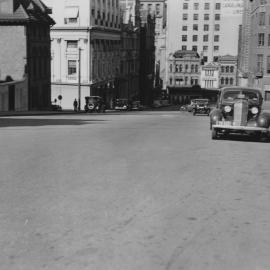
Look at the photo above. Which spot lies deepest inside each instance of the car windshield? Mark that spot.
(201, 101)
(233, 94)
(93, 99)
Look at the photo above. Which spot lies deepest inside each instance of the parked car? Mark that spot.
(136, 105)
(94, 104)
(239, 110)
(55, 107)
(201, 106)
(122, 104)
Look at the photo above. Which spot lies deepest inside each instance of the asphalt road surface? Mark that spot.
(131, 191)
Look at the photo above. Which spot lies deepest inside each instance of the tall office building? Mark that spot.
(209, 27)
(89, 30)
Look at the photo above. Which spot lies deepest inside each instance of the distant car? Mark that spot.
(183, 108)
(201, 107)
(136, 106)
(94, 104)
(122, 104)
(55, 107)
(239, 110)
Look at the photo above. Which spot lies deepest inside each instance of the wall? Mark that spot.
(12, 49)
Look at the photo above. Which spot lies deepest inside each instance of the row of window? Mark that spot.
(206, 17)
(179, 68)
(227, 69)
(156, 8)
(195, 49)
(226, 81)
(108, 3)
(205, 38)
(261, 39)
(206, 27)
(206, 6)
(184, 81)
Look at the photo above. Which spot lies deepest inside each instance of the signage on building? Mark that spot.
(232, 7)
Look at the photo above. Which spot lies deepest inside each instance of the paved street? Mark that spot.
(129, 191)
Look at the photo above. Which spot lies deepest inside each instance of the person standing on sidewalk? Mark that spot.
(75, 105)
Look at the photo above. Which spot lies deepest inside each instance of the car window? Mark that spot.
(231, 95)
(250, 95)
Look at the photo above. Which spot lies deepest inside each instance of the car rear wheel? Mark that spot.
(194, 112)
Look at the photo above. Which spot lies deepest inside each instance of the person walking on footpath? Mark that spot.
(75, 105)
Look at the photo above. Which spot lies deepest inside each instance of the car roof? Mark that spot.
(237, 88)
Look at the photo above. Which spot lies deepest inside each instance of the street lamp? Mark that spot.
(79, 80)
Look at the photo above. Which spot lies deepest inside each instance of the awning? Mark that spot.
(71, 12)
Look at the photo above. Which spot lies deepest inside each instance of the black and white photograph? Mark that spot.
(134, 134)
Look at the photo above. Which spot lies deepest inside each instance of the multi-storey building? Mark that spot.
(208, 27)
(184, 73)
(158, 9)
(228, 70)
(24, 55)
(86, 42)
(259, 42)
(210, 76)
(128, 79)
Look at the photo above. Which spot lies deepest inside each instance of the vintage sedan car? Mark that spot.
(94, 104)
(201, 107)
(239, 110)
(122, 104)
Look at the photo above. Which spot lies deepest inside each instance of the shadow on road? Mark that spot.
(22, 122)
(244, 138)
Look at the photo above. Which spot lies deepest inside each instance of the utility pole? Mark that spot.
(79, 80)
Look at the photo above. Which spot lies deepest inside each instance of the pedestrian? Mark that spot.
(75, 105)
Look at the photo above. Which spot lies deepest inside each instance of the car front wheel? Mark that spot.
(214, 134)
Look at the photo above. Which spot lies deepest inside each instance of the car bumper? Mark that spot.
(227, 126)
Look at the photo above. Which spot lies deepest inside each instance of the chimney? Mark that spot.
(7, 6)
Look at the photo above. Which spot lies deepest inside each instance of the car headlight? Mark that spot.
(227, 109)
(254, 110)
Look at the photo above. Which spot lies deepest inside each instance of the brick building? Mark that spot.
(24, 55)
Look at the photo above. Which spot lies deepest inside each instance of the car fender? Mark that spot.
(263, 120)
(215, 115)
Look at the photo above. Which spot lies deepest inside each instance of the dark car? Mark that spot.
(239, 110)
(122, 104)
(94, 104)
(136, 106)
(55, 107)
(201, 107)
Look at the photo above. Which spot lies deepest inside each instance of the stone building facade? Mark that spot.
(228, 70)
(89, 31)
(210, 74)
(25, 55)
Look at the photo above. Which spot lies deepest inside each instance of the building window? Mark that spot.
(186, 67)
(216, 48)
(261, 18)
(176, 68)
(205, 38)
(206, 17)
(206, 27)
(180, 68)
(185, 6)
(222, 69)
(194, 48)
(71, 15)
(170, 67)
(205, 48)
(217, 17)
(261, 39)
(259, 62)
(194, 38)
(231, 81)
(158, 9)
(185, 16)
(216, 38)
(222, 81)
(196, 68)
(195, 17)
(268, 64)
(196, 6)
(195, 27)
(206, 6)
(72, 44)
(184, 37)
(72, 68)
(184, 48)
(184, 28)
(217, 27)
(218, 6)
(232, 69)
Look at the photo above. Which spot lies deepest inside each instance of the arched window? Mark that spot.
(222, 81)
(227, 81)
(192, 68)
(196, 68)
(180, 68)
(231, 81)
(227, 69)
(222, 69)
(186, 67)
(176, 68)
(231, 69)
